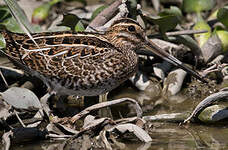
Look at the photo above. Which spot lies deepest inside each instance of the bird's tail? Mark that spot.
(6, 35)
(10, 50)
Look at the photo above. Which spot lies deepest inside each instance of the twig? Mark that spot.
(173, 117)
(21, 122)
(59, 136)
(186, 32)
(176, 33)
(44, 103)
(3, 78)
(106, 104)
(105, 15)
(206, 102)
(6, 140)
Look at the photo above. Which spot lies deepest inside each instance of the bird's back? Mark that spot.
(70, 63)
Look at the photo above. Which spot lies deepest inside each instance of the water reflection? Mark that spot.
(166, 136)
(170, 136)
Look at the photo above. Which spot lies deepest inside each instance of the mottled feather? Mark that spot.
(72, 63)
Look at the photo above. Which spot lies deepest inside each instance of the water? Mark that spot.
(170, 136)
(166, 136)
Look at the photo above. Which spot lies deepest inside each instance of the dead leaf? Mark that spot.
(21, 98)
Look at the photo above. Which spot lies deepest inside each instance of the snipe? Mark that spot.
(84, 64)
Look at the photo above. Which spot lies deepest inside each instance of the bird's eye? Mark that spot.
(131, 28)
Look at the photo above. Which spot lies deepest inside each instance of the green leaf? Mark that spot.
(173, 10)
(4, 13)
(41, 13)
(2, 42)
(167, 20)
(20, 16)
(81, 1)
(79, 27)
(202, 37)
(132, 7)
(58, 28)
(165, 23)
(12, 25)
(69, 20)
(37, 28)
(97, 11)
(222, 15)
(223, 36)
(213, 15)
(132, 3)
(53, 2)
(197, 5)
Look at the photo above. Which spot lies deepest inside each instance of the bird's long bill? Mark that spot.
(166, 56)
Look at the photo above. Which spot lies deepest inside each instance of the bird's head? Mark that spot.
(126, 33)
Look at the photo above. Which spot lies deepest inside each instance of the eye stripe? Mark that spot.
(126, 21)
(126, 25)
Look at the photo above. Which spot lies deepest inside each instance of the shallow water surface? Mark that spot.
(166, 136)
(169, 136)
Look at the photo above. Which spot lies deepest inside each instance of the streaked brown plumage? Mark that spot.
(83, 64)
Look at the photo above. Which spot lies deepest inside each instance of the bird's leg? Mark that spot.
(103, 98)
(104, 112)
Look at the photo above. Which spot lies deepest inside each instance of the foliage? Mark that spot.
(202, 25)
(197, 5)
(97, 11)
(222, 15)
(170, 18)
(41, 13)
(73, 22)
(79, 27)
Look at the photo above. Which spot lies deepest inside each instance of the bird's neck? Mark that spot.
(126, 47)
